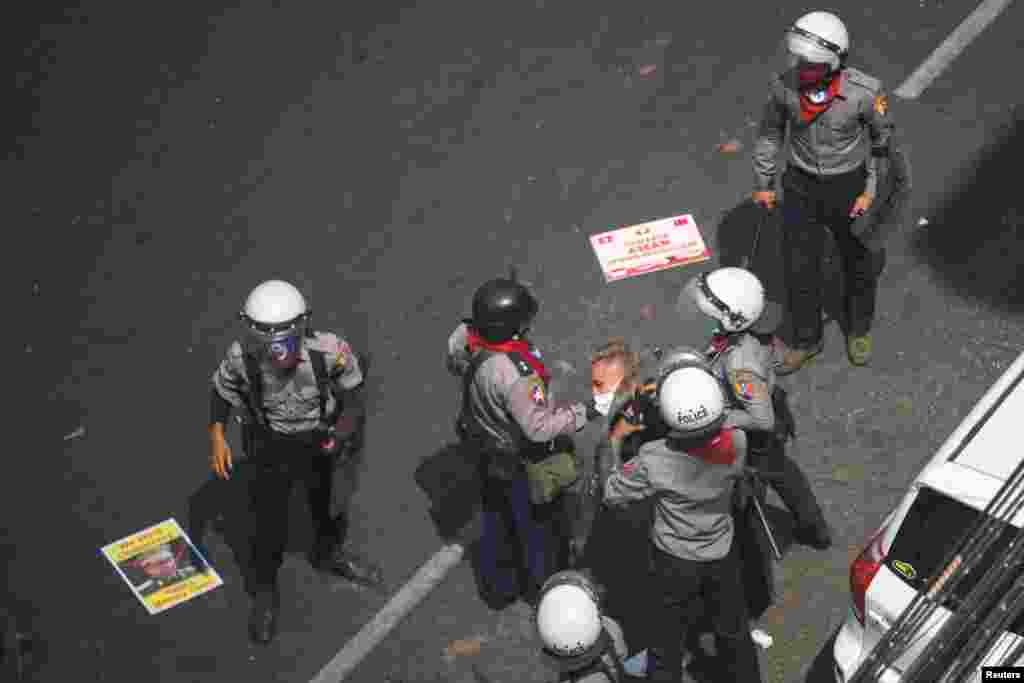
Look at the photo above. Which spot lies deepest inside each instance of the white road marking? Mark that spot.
(937, 62)
(403, 602)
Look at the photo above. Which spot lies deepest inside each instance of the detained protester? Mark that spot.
(302, 394)
(839, 129)
(690, 475)
(523, 441)
(743, 358)
(580, 643)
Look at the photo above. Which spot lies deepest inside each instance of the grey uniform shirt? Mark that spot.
(747, 368)
(291, 399)
(692, 494)
(838, 140)
(506, 396)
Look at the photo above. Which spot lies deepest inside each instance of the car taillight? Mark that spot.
(863, 570)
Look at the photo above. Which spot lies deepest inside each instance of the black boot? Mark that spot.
(263, 618)
(332, 557)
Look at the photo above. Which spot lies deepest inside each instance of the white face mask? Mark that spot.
(603, 402)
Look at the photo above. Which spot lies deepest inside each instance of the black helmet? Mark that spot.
(501, 309)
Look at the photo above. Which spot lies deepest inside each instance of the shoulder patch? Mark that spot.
(524, 368)
(742, 376)
(537, 394)
(881, 105)
(748, 386)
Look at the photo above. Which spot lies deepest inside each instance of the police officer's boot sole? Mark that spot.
(263, 618)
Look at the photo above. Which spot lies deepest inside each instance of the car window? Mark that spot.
(934, 526)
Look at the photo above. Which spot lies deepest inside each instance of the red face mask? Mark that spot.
(284, 354)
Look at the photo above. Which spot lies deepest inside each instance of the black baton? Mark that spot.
(745, 264)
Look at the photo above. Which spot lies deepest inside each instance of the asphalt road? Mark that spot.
(387, 161)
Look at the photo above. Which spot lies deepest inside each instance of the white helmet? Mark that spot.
(692, 402)
(569, 621)
(819, 38)
(274, 309)
(732, 296)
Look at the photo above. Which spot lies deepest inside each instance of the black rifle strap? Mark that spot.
(324, 385)
(254, 396)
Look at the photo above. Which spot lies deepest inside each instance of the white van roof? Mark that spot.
(996, 448)
(985, 449)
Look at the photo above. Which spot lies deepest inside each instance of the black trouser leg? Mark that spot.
(679, 582)
(319, 481)
(270, 486)
(803, 250)
(726, 597)
(861, 270)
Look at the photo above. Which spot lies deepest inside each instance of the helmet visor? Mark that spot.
(805, 64)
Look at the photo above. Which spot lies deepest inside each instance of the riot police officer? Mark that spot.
(839, 140)
(302, 392)
(743, 358)
(691, 475)
(581, 644)
(509, 420)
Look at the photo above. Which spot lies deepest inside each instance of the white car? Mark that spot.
(943, 502)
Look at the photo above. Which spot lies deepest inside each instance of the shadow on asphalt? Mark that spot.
(975, 239)
(221, 507)
(451, 481)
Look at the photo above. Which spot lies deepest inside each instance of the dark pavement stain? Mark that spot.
(976, 237)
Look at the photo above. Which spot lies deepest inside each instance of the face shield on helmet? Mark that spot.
(275, 316)
(815, 47)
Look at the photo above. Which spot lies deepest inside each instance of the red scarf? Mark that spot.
(475, 342)
(718, 451)
(809, 110)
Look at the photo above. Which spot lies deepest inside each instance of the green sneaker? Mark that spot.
(859, 349)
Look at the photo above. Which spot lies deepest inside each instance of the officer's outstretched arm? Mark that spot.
(629, 483)
(540, 421)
